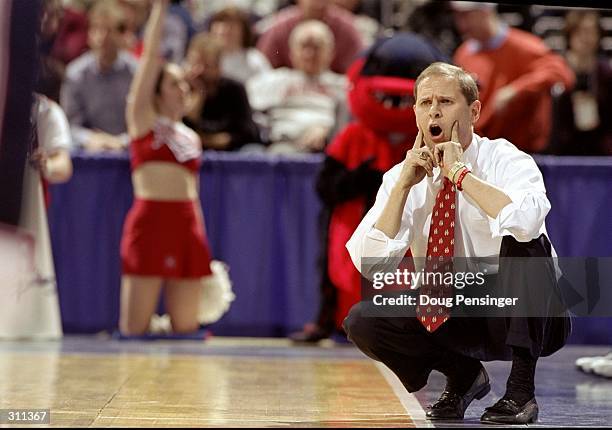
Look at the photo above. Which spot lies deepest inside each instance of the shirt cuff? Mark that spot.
(508, 223)
(378, 244)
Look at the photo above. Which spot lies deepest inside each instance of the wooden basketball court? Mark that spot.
(222, 382)
(94, 381)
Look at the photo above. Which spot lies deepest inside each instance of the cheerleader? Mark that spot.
(164, 244)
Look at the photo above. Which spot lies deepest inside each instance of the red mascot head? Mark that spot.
(381, 91)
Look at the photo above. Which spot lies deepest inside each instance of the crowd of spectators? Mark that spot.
(269, 74)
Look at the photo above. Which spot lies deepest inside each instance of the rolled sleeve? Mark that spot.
(523, 218)
(522, 182)
(377, 244)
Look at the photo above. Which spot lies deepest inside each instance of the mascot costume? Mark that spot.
(382, 130)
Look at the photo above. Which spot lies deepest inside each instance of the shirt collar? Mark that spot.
(116, 66)
(491, 44)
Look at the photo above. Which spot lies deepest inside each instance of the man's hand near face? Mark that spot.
(419, 161)
(447, 153)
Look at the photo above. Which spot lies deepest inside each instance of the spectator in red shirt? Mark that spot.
(515, 72)
(71, 37)
(274, 42)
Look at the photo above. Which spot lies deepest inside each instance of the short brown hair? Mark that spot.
(108, 9)
(466, 82)
(235, 14)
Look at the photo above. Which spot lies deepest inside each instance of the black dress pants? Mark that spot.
(411, 352)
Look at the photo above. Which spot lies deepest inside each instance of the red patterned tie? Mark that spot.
(440, 251)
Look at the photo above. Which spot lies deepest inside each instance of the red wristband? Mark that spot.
(460, 179)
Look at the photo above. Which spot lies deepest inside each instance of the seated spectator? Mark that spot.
(220, 112)
(274, 42)
(515, 72)
(301, 104)
(583, 123)
(240, 61)
(97, 83)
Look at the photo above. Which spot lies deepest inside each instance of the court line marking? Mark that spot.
(410, 403)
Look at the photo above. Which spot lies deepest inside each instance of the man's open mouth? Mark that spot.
(435, 131)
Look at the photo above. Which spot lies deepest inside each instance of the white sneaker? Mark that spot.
(586, 363)
(603, 367)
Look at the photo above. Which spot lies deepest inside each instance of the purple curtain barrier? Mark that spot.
(262, 219)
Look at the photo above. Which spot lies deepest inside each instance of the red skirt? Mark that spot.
(165, 239)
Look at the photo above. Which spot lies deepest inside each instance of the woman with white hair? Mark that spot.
(300, 104)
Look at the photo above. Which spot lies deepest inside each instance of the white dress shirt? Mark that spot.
(294, 101)
(497, 162)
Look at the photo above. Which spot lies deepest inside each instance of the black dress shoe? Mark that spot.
(507, 411)
(452, 405)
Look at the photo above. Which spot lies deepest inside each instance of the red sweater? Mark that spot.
(526, 63)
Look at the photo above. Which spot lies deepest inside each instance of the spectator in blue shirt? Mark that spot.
(96, 85)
